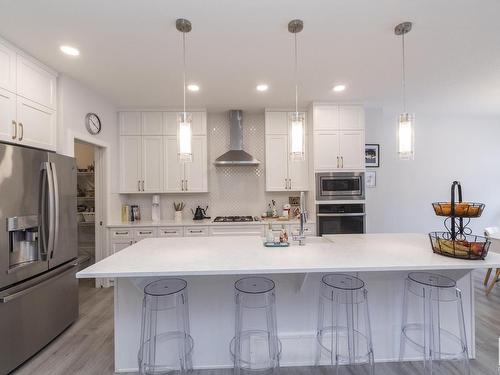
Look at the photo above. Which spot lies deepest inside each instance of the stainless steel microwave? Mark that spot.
(340, 186)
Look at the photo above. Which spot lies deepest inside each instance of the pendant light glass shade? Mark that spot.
(406, 136)
(297, 139)
(184, 135)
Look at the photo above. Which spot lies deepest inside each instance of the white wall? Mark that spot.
(74, 102)
(447, 148)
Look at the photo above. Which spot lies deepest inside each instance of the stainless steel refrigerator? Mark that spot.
(38, 251)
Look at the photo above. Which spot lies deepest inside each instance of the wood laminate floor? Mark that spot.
(86, 348)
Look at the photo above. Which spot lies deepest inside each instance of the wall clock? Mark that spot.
(93, 123)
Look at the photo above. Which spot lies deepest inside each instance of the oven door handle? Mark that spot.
(337, 215)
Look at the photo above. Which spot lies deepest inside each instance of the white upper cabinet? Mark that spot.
(130, 123)
(283, 172)
(36, 125)
(130, 164)
(7, 68)
(152, 123)
(8, 123)
(351, 117)
(326, 117)
(152, 163)
(339, 137)
(195, 172)
(35, 83)
(27, 100)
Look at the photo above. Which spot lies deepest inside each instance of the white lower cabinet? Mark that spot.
(237, 230)
(142, 233)
(195, 231)
(171, 232)
(120, 238)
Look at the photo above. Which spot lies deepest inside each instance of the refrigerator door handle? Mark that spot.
(50, 180)
(8, 296)
(44, 245)
(56, 209)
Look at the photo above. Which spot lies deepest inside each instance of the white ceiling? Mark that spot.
(131, 51)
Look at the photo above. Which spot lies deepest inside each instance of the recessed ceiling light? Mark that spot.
(339, 88)
(262, 87)
(70, 51)
(193, 87)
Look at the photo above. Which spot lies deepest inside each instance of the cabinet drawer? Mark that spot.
(121, 233)
(141, 233)
(170, 232)
(309, 229)
(238, 230)
(195, 231)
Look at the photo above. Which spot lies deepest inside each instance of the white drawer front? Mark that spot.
(121, 233)
(237, 230)
(171, 232)
(195, 231)
(142, 233)
(309, 229)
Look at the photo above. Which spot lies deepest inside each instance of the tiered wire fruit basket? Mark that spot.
(458, 241)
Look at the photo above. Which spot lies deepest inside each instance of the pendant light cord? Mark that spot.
(296, 82)
(184, 72)
(403, 72)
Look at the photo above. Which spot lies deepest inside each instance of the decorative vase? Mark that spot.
(178, 216)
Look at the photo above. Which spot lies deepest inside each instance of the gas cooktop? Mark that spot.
(234, 219)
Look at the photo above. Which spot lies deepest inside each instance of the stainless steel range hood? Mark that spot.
(236, 156)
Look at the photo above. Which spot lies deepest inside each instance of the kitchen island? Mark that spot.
(212, 264)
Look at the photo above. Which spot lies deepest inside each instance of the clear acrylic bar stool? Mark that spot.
(432, 312)
(344, 330)
(166, 344)
(255, 347)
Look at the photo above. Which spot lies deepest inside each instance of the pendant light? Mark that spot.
(406, 131)
(184, 119)
(297, 119)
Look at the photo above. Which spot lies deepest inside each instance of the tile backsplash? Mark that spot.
(232, 190)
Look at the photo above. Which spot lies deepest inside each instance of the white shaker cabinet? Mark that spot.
(8, 123)
(152, 163)
(338, 137)
(130, 123)
(130, 164)
(152, 123)
(7, 68)
(198, 123)
(35, 83)
(36, 124)
(283, 172)
(173, 168)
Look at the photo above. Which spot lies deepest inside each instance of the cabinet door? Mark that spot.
(118, 245)
(326, 151)
(130, 164)
(130, 123)
(8, 125)
(7, 68)
(276, 162)
(298, 172)
(174, 169)
(170, 123)
(352, 117)
(352, 149)
(196, 170)
(152, 163)
(152, 123)
(277, 123)
(36, 125)
(199, 123)
(171, 232)
(326, 117)
(142, 233)
(35, 83)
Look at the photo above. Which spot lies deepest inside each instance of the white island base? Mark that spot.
(212, 265)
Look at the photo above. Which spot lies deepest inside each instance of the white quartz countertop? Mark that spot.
(190, 222)
(247, 255)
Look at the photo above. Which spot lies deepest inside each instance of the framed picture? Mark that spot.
(371, 179)
(372, 155)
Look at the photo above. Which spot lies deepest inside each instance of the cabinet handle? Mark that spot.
(131, 242)
(121, 233)
(286, 184)
(146, 232)
(142, 185)
(342, 159)
(195, 231)
(185, 185)
(21, 131)
(182, 185)
(14, 125)
(290, 184)
(169, 231)
(138, 185)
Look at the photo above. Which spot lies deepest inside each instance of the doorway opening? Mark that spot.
(86, 202)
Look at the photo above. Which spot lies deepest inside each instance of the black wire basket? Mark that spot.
(469, 246)
(459, 209)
